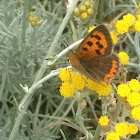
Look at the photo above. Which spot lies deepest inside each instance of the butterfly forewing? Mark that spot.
(78, 66)
(97, 43)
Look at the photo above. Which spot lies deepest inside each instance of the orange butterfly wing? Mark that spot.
(97, 43)
(93, 57)
(77, 65)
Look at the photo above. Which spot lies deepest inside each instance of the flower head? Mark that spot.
(104, 89)
(133, 128)
(114, 37)
(121, 27)
(64, 75)
(34, 20)
(91, 84)
(103, 121)
(137, 26)
(136, 113)
(84, 11)
(91, 28)
(129, 19)
(122, 129)
(78, 80)
(67, 90)
(133, 99)
(31, 14)
(112, 136)
(134, 85)
(123, 90)
(124, 58)
(39, 22)
(138, 16)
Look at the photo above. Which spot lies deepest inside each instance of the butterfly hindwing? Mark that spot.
(103, 67)
(97, 43)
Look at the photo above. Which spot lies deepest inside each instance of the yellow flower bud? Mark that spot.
(90, 11)
(87, 3)
(30, 19)
(31, 14)
(33, 23)
(84, 17)
(82, 8)
(76, 12)
(39, 22)
(36, 19)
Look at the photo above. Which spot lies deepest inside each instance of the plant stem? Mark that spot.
(61, 29)
(74, 36)
(64, 52)
(97, 132)
(25, 103)
(95, 8)
(54, 44)
(23, 48)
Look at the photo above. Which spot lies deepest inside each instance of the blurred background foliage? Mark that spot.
(23, 48)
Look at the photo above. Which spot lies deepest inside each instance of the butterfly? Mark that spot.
(94, 57)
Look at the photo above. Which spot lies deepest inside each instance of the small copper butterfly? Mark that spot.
(94, 57)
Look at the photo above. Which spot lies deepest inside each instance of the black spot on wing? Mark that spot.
(85, 49)
(98, 52)
(89, 43)
(100, 46)
(96, 36)
(97, 43)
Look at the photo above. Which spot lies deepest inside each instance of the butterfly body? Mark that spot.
(94, 57)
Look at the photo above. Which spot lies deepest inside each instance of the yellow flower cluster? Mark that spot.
(129, 23)
(136, 113)
(104, 89)
(133, 128)
(112, 136)
(104, 121)
(130, 92)
(133, 99)
(134, 85)
(34, 19)
(123, 90)
(122, 26)
(124, 58)
(67, 90)
(123, 129)
(73, 81)
(84, 11)
(114, 37)
(91, 28)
